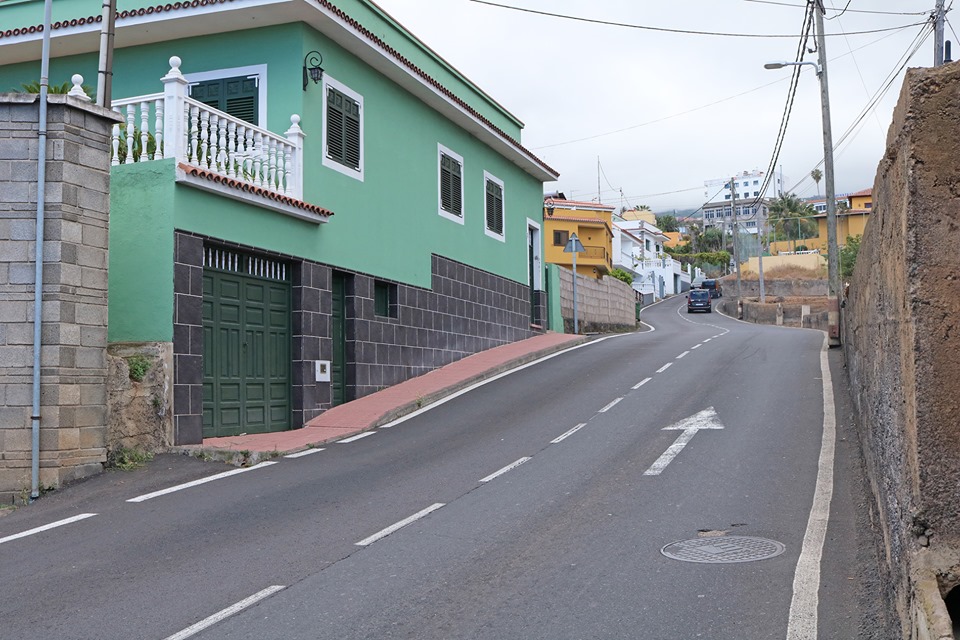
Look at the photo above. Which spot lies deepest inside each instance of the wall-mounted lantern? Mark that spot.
(312, 69)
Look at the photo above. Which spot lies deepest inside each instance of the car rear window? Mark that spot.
(699, 295)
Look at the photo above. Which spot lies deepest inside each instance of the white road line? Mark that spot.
(696, 346)
(657, 467)
(802, 622)
(568, 433)
(193, 630)
(356, 437)
(718, 335)
(610, 406)
(706, 341)
(682, 354)
(187, 485)
(399, 525)
(664, 367)
(47, 527)
(305, 452)
(641, 383)
(509, 467)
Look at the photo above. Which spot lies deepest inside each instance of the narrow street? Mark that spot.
(541, 505)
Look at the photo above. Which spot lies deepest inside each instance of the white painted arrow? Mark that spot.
(706, 419)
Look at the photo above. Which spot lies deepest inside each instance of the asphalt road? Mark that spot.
(535, 506)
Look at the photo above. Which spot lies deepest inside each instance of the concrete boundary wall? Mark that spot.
(602, 305)
(902, 339)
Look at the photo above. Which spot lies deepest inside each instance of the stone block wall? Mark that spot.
(73, 412)
(902, 340)
(465, 311)
(607, 304)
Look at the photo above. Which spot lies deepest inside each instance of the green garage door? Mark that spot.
(246, 344)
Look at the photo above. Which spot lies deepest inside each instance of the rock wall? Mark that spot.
(73, 368)
(140, 400)
(902, 340)
(602, 305)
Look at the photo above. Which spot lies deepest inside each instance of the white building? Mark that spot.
(638, 249)
(747, 184)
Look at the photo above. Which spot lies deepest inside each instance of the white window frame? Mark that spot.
(257, 71)
(502, 237)
(330, 163)
(444, 151)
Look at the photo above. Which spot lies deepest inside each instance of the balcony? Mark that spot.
(212, 149)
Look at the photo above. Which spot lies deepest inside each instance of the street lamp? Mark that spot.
(833, 262)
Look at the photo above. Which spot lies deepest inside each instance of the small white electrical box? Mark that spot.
(323, 370)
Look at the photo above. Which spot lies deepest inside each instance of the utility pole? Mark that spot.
(833, 262)
(938, 19)
(760, 234)
(736, 235)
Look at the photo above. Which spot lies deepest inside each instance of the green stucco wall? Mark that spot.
(141, 252)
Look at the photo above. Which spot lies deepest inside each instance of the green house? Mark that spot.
(307, 203)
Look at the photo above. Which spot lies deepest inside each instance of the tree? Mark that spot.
(667, 223)
(711, 240)
(620, 274)
(641, 207)
(792, 219)
(817, 176)
(848, 256)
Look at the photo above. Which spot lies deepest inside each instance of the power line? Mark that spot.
(886, 13)
(667, 29)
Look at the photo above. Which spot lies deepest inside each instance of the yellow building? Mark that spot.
(674, 239)
(591, 222)
(851, 222)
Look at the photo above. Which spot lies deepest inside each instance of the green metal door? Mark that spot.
(338, 371)
(246, 345)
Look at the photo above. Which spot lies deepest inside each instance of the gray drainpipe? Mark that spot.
(38, 265)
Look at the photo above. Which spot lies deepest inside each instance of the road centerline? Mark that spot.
(664, 367)
(641, 383)
(223, 614)
(383, 533)
(509, 467)
(47, 527)
(682, 354)
(610, 406)
(569, 433)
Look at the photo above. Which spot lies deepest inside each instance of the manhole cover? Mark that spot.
(723, 549)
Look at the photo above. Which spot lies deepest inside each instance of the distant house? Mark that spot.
(308, 204)
(853, 213)
(593, 225)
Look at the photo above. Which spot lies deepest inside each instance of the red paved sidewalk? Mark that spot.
(394, 402)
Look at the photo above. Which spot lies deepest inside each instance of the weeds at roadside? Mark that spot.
(128, 458)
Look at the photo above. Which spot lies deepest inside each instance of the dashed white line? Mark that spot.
(682, 354)
(641, 383)
(356, 437)
(193, 630)
(610, 406)
(718, 335)
(399, 525)
(696, 346)
(664, 367)
(187, 485)
(509, 467)
(300, 454)
(568, 433)
(706, 341)
(47, 527)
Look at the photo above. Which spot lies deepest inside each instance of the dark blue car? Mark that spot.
(699, 300)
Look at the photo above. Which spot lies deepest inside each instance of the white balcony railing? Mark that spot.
(173, 125)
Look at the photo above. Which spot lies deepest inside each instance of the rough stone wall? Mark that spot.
(602, 305)
(73, 427)
(140, 415)
(787, 288)
(902, 342)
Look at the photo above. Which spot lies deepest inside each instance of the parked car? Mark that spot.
(699, 300)
(713, 286)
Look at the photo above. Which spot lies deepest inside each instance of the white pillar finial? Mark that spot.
(77, 90)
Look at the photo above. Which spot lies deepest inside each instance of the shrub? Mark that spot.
(139, 366)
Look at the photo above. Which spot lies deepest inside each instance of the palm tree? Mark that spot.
(791, 218)
(817, 176)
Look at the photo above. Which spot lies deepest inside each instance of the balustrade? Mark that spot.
(173, 125)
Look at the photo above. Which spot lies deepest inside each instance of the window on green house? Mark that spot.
(494, 205)
(237, 96)
(343, 128)
(451, 184)
(385, 299)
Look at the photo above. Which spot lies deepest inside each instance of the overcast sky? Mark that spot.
(665, 112)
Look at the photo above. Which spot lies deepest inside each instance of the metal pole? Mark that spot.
(105, 73)
(38, 251)
(736, 236)
(760, 235)
(576, 324)
(938, 34)
(833, 262)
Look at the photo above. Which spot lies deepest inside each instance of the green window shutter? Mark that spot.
(494, 207)
(237, 96)
(343, 129)
(451, 191)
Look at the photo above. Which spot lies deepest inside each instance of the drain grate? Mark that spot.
(723, 549)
